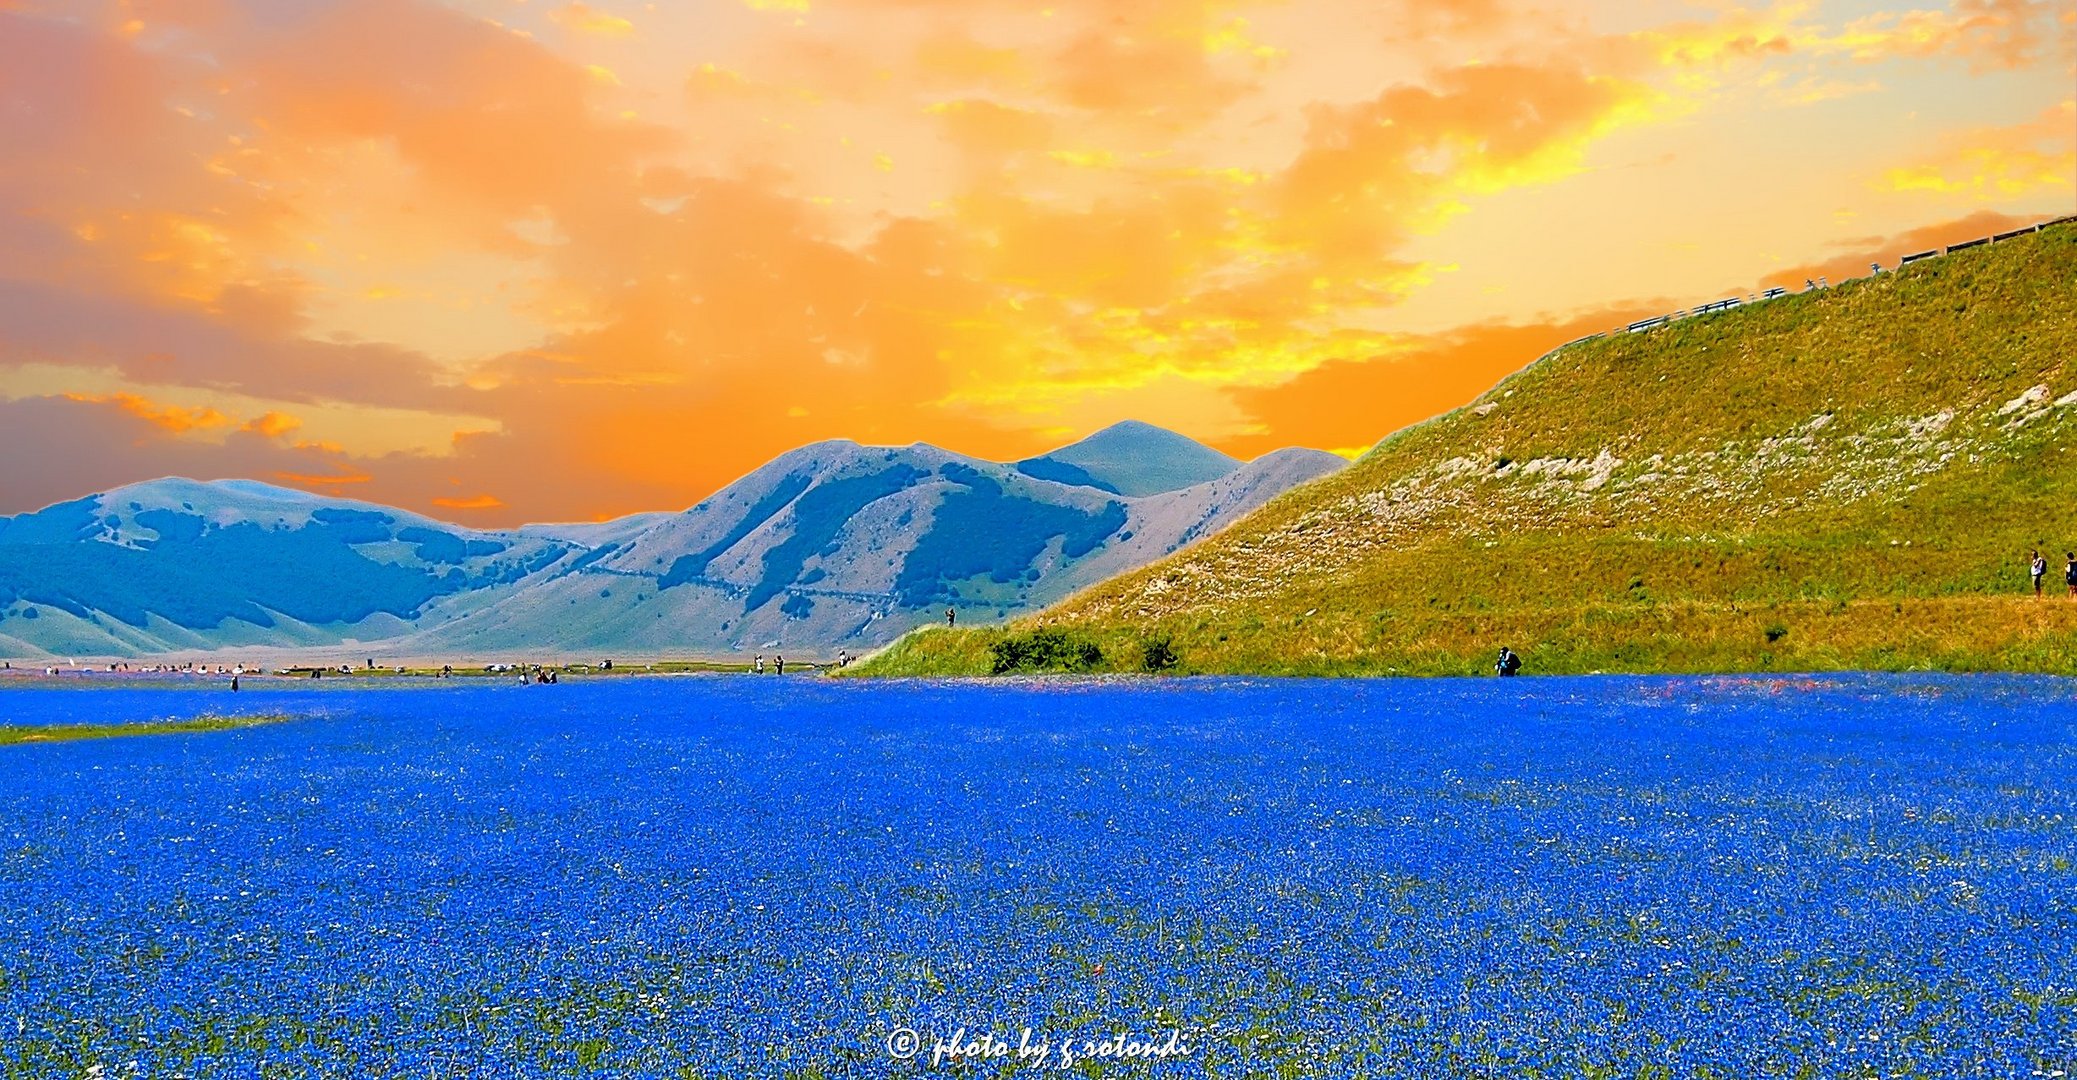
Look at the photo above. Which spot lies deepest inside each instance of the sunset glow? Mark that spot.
(503, 261)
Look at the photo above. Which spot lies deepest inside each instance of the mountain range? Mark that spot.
(833, 545)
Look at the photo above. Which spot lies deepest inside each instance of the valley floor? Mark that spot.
(1835, 876)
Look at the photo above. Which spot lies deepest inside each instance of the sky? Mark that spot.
(501, 261)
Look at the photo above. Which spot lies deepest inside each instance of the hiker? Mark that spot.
(1507, 664)
(757, 665)
(2070, 572)
(844, 657)
(951, 617)
(234, 684)
(2038, 566)
(779, 665)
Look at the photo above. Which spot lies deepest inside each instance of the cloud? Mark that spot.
(272, 425)
(586, 19)
(1999, 162)
(473, 502)
(1357, 401)
(404, 250)
(174, 418)
(1373, 172)
(85, 445)
(1988, 34)
(1865, 251)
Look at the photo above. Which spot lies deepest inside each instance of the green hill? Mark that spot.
(1843, 478)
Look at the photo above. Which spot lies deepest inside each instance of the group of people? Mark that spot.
(2037, 567)
(779, 662)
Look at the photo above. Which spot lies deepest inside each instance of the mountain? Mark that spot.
(1841, 478)
(181, 564)
(842, 545)
(830, 546)
(1132, 458)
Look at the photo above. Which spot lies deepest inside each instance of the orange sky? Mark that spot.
(513, 260)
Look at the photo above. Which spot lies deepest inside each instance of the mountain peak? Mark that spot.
(1132, 458)
(177, 489)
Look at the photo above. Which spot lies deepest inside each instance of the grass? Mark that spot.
(1841, 479)
(16, 734)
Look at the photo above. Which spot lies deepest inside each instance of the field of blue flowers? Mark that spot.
(735, 877)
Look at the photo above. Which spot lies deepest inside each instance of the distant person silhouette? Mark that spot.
(1508, 664)
(778, 665)
(2070, 572)
(234, 684)
(2038, 566)
(951, 617)
(757, 665)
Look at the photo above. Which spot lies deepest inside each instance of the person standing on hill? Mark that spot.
(2070, 572)
(951, 617)
(2039, 567)
(1508, 663)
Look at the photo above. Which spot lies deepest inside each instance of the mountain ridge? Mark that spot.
(832, 544)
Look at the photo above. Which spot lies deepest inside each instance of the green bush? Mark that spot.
(1049, 649)
(1157, 654)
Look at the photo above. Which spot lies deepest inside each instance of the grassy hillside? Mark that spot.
(1847, 478)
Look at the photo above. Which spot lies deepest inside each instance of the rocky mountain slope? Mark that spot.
(1848, 477)
(831, 546)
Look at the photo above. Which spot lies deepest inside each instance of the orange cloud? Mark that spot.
(272, 425)
(2000, 34)
(473, 502)
(1356, 402)
(1999, 162)
(1258, 222)
(1374, 172)
(174, 418)
(1867, 250)
(590, 20)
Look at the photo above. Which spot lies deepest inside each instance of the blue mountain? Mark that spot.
(829, 546)
(1132, 458)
